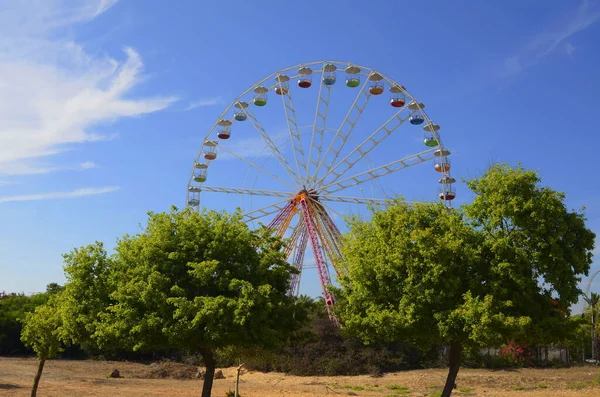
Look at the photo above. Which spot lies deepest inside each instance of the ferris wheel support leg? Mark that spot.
(293, 240)
(335, 236)
(327, 239)
(320, 260)
(287, 210)
(298, 261)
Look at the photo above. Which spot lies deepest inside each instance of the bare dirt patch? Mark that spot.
(165, 370)
(89, 378)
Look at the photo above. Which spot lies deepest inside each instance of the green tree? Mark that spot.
(537, 249)
(41, 333)
(53, 288)
(85, 295)
(13, 307)
(592, 312)
(504, 267)
(195, 283)
(579, 341)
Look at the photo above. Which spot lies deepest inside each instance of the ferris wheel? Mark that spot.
(292, 162)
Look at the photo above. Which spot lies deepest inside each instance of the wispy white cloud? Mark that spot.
(52, 91)
(104, 5)
(86, 165)
(570, 49)
(552, 37)
(17, 168)
(60, 195)
(8, 183)
(36, 18)
(205, 102)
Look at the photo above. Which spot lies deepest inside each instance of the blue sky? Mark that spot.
(104, 106)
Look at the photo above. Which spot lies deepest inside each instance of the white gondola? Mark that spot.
(210, 149)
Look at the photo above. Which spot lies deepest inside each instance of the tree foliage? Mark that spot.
(85, 295)
(534, 244)
(13, 307)
(411, 272)
(504, 267)
(41, 333)
(189, 282)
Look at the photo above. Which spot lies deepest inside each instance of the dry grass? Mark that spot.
(88, 378)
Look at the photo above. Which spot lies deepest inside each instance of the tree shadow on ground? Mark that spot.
(508, 369)
(6, 386)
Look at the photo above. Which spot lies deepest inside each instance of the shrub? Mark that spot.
(515, 355)
(324, 351)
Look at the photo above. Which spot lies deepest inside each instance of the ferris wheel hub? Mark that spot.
(304, 194)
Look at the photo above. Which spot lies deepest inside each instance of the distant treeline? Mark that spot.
(13, 307)
(317, 349)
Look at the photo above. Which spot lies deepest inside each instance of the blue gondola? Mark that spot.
(240, 116)
(329, 80)
(416, 119)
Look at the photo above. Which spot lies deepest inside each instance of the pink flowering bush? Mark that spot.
(516, 355)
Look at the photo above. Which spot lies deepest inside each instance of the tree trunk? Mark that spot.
(594, 354)
(209, 361)
(455, 348)
(36, 381)
(237, 381)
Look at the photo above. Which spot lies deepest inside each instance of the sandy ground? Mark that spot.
(89, 378)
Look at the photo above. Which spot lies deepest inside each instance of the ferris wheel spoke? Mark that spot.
(354, 200)
(332, 210)
(341, 136)
(272, 146)
(370, 143)
(252, 192)
(250, 163)
(265, 211)
(319, 126)
(290, 115)
(380, 171)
